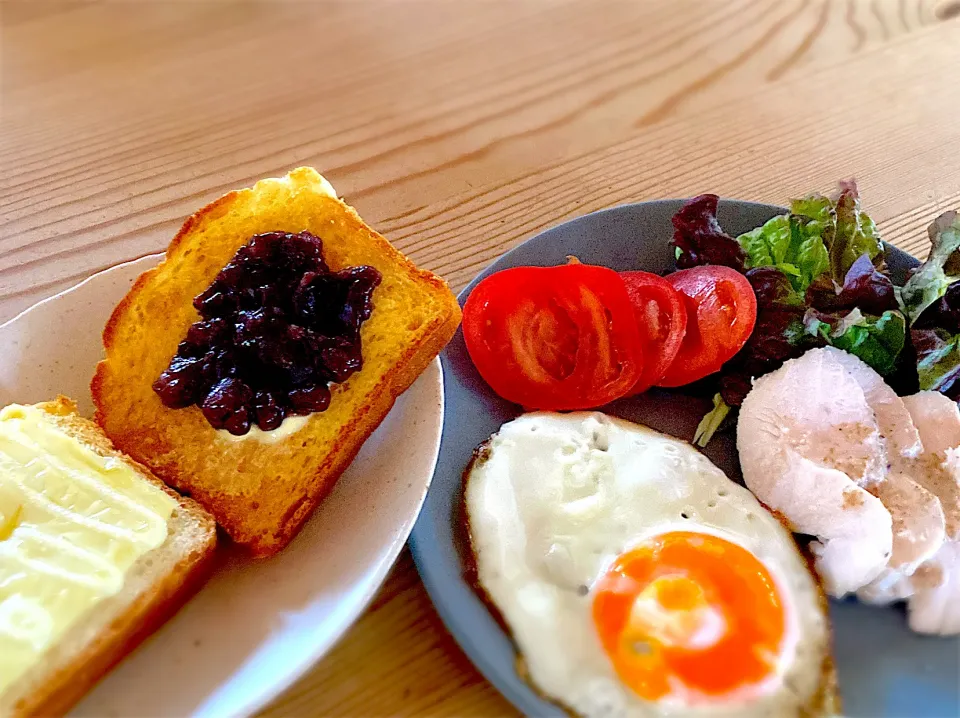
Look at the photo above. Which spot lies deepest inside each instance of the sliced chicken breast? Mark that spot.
(918, 533)
(918, 520)
(853, 528)
(808, 444)
(934, 588)
(893, 419)
(813, 405)
(937, 418)
(935, 606)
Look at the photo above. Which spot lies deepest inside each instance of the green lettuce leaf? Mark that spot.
(812, 258)
(878, 341)
(819, 237)
(820, 211)
(790, 243)
(711, 421)
(855, 235)
(938, 359)
(941, 268)
(767, 245)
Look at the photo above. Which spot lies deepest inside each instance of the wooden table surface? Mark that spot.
(458, 128)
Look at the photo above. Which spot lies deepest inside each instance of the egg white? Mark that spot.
(553, 499)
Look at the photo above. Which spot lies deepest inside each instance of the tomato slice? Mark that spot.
(554, 337)
(661, 321)
(721, 312)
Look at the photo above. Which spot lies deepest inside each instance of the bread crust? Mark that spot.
(46, 691)
(261, 493)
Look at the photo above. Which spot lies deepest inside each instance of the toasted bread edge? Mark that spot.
(110, 328)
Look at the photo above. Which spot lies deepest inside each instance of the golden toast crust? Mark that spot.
(262, 492)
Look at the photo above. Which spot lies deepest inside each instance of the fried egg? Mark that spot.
(637, 580)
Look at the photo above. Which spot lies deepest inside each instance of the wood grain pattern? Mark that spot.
(458, 129)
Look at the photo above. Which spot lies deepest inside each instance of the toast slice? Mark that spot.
(154, 587)
(262, 491)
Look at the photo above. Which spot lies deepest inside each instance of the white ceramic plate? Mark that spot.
(256, 626)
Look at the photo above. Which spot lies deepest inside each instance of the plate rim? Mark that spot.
(503, 675)
(378, 578)
(383, 568)
(378, 571)
(73, 287)
(420, 546)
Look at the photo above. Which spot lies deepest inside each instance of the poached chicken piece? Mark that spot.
(918, 520)
(934, 606)
(809, 445)
(874, 477)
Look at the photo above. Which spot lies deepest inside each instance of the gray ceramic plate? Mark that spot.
(884, 669)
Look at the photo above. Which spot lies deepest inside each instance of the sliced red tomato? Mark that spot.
(554, 337)
(721, 312)
(661, 321)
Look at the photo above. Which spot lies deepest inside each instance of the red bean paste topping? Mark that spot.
(277, 327)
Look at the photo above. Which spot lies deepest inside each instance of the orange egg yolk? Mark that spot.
(693, 609)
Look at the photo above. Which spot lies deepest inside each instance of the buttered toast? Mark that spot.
(261, 485)
(96, 553)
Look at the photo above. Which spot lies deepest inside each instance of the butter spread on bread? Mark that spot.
(93, 552)
(261, 491)
(291, 425)
(71, 523)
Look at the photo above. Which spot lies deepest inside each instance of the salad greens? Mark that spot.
(855, 234)
(942, 268)
(699, 239)
(819, 238)
(820, 279)
(864, 286)
(711, 422)
(938, 359)
(790, 243)
(878, 341)
(931, 299)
